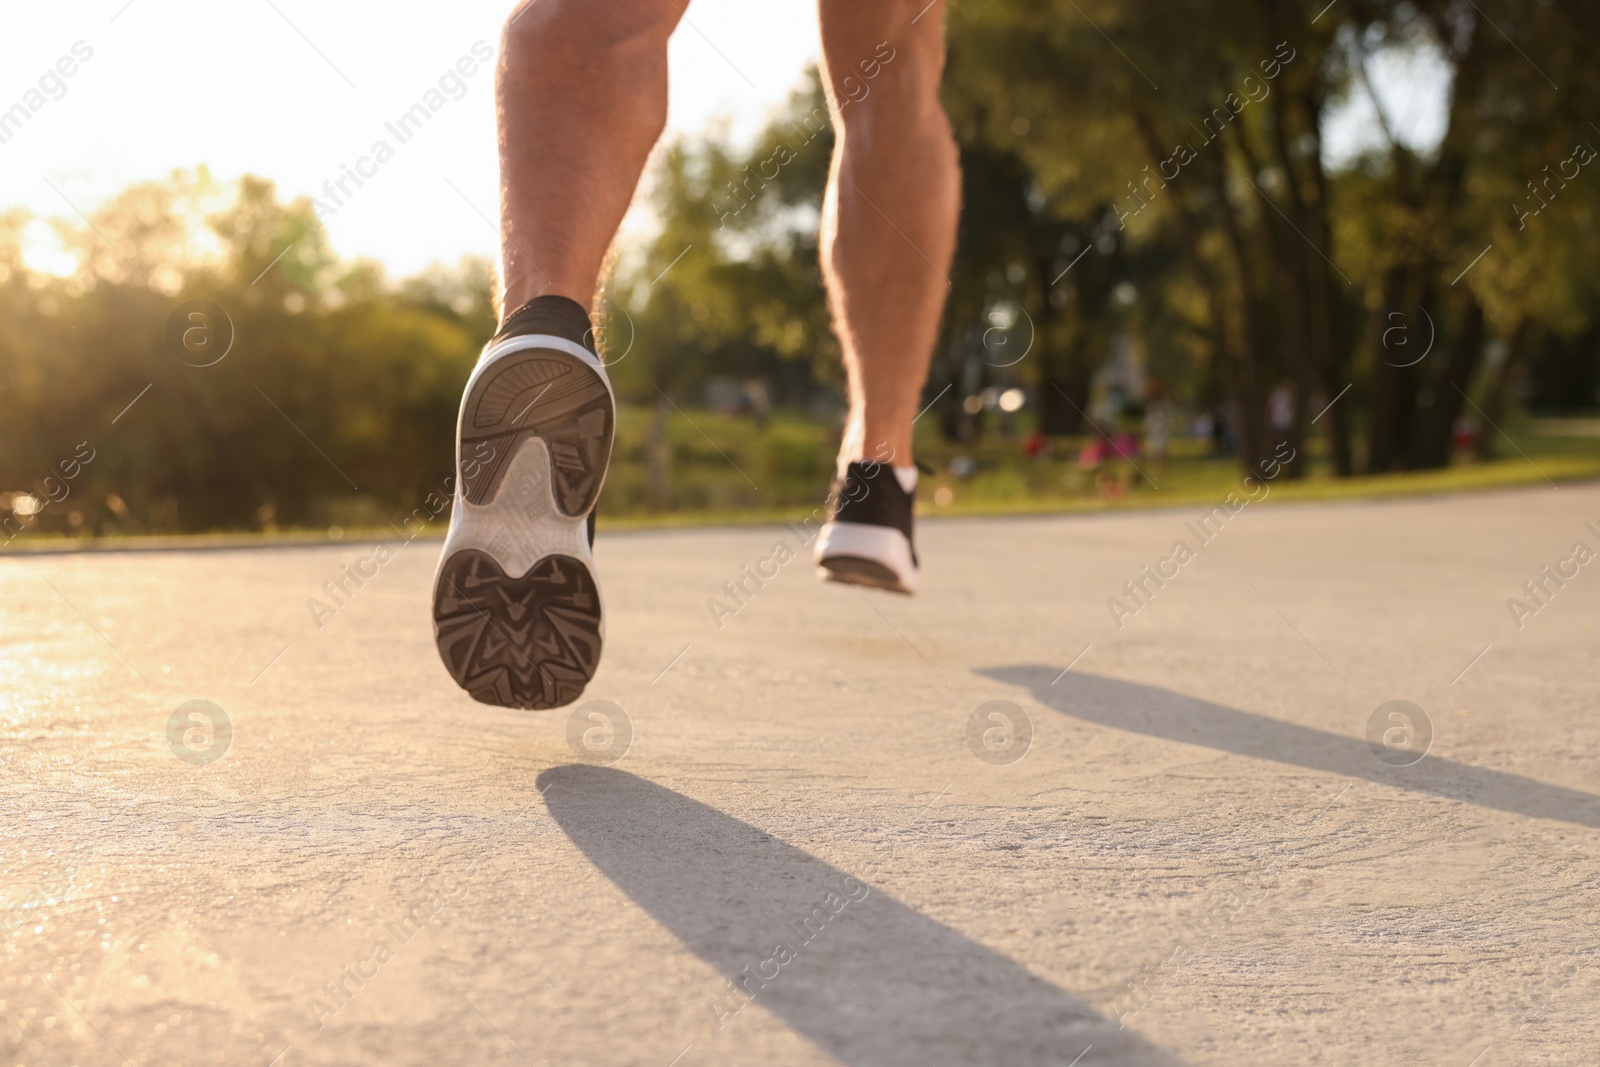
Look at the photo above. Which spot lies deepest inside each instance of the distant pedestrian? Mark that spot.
(1157, 426)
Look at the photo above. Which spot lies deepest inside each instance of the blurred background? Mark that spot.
(1197, 239)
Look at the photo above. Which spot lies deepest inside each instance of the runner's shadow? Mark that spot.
(1155, 712)
(867, 979)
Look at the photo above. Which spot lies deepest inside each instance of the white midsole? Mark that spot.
(881, 544)
(534, 340)
(520, 524)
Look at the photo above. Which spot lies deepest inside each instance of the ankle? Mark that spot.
(551, 315)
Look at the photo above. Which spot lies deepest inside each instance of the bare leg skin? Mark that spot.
(889, 217)
(582, 98)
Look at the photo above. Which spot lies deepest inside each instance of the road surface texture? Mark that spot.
(1211, 841)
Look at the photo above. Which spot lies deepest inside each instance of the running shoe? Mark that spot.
(516, 607)
(867, 538)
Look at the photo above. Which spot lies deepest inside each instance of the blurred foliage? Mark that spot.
(1138, 177)
(336, 402)
(1148, 175)
(731, 285)
(757, 473)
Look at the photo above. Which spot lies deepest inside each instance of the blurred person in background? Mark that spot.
(1157, 425)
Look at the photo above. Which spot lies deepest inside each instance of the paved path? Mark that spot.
(1198, 858)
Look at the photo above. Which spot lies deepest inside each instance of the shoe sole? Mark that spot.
(854, 570)
(517, 613)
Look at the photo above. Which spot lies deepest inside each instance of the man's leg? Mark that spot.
(582, 90)
(582, 93)
(889, 218)
(888, 232)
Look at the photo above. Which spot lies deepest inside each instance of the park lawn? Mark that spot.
(725, 470)
(719, 469)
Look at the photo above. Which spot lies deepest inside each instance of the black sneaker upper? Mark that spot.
(869, 493)
(556, 316)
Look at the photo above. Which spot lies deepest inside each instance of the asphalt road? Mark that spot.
(839, 827)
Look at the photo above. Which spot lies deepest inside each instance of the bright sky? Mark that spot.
(294, 89)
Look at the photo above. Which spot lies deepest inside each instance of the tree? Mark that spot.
(1202, 126)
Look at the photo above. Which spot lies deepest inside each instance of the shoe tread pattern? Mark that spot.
(531, 642)
(546, 394)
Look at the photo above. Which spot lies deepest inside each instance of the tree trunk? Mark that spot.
(1286, 250)
(1385, 409)
(1329, 364)
(1432, 199)
(1497, 397)
(1289, 228)
(1252, 353)
(1064, 369)
(1064, 391)
(1431, 446)
(1227, 361)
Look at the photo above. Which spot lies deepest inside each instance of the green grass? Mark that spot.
(715, 469)
(783, 474)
